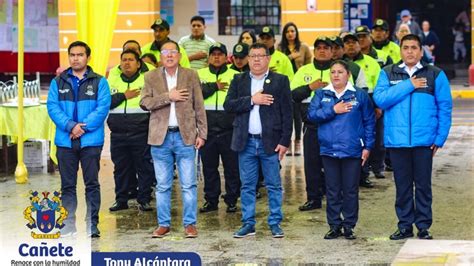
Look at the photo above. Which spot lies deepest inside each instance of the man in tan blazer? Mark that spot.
(178, 127)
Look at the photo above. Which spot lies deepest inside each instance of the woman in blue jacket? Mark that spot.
(346, 120)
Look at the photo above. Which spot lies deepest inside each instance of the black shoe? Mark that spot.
(424, 234)
(365, 182)
(144, 207)
(208, 207)
(310, 205)
(401, 234)
(388, 168)
(118, 206)
(258, 195)
(231, 208)
(333, 233)
(379, 175)
(94, 231)
(349, 233)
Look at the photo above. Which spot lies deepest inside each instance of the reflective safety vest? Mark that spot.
(371, 70)
(308, 74)
(393, 50)
(215, 102)
(184, 61)
(115, 71)
(282, 64)
(130, 106)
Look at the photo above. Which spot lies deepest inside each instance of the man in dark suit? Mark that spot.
(261, 101)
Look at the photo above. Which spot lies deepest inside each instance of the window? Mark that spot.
(238, 15)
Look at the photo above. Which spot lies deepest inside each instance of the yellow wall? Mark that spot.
(326, 21)
(133, 22)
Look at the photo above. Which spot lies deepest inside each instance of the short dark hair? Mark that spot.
(411, 37)
(82, 44)
(198, 18)
(342, 63)
(259, 46)
(131, 41)
(171, 41)
(130, 51)
(151, 56)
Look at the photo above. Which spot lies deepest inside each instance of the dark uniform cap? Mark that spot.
(267, 31)
(363, 29)
(383, 24)
(322, 39)
(241, 50)
(337, 41)
(350, 35)
(218, 46)
(161, 23)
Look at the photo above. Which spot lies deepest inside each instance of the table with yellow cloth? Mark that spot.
(37, 125)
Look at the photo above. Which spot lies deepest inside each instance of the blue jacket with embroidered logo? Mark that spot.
(414, 117)
(343, 135)
(88, 104)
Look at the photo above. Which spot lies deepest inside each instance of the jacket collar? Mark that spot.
(89, 73)
(218, 70)
(322, 65)
(130, 79)
(329, 90)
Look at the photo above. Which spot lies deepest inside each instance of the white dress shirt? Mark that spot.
(412, 70)
(171, 80)
(255, 125)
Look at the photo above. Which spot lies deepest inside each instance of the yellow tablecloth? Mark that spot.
(38, 125)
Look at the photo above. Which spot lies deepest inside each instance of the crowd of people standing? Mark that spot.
(349, 102)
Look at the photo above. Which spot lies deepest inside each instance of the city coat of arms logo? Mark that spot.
(46, 211)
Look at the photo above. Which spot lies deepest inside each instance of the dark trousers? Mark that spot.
(298, 123)
(342, 190)
(68, 163)
(412, 167)
(377, 154)
(131, 157)
(312, 164)
(216, 147)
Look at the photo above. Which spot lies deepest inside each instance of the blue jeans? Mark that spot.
(249, 160)
(163, 160)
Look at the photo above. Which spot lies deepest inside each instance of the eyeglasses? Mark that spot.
(257, 56)
(169, 52)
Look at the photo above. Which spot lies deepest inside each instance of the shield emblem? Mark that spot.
(45, 220)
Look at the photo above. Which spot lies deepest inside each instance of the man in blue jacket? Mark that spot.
(78, 103)
(416, 98)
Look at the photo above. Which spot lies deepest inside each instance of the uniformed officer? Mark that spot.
(377, 156)
(357, 74)
(279, 62)
(372, 70)
(365, 40)
(240, 57)
(215, 81)
(161, 30)
(381, 37)
(306, 81)
(128, 124)
(114, 75)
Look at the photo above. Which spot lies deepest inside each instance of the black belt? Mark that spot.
(173, 129)
(255, 136)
